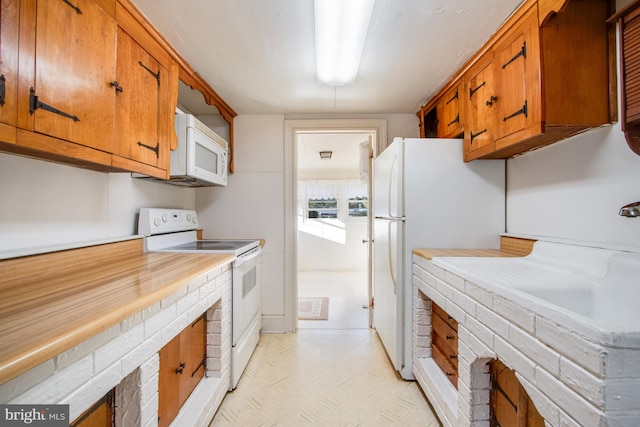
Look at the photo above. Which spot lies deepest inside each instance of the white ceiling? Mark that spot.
(258, 55)
(344, 146)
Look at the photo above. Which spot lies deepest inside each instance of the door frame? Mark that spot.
(292, 128)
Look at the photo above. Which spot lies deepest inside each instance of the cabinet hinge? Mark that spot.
(523, 110)
(201, 364)
(475, 89)
(156, 75)
(73, 6)
(496, 387)
(2, 89)
(35, 103)
(522, 52)
(456, 120)
(475, 135)
(155, 149)
(454, 97)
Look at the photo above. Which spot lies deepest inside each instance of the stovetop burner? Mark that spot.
(213, 245)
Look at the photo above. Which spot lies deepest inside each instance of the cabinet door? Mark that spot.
(517, 73)
(181, 369)
(75, 63)
(510, 405)
(193, 347)
(450, 114)
(138, 79)
(169, 382)
(481, 100)
(430, 123)
(99, 415)
(9, 12)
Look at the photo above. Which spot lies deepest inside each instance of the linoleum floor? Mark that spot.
(326, 374)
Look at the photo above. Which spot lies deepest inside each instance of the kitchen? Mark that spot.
(571, 190)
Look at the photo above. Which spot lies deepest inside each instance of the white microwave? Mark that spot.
(201, 157)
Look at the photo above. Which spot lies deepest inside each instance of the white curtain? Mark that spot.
(331, 189)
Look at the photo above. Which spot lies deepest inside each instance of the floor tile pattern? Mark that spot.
(323, 377)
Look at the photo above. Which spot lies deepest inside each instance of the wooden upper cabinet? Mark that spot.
(545, 75)
(75, 62)
(551, 81)
(450, 113)
(9, 18)
(479, 96)
(139, 82)
(516, 67)
(90, 83)
(628, 20)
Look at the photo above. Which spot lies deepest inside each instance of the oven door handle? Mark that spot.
(248, 256)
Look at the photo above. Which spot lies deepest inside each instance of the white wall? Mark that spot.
(44, 203)
(398, 125)
(252, 204)
(574, 189)
(332, 244)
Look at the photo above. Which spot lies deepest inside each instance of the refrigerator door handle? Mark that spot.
(390, 260)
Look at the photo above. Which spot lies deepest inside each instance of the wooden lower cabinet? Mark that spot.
(182, 366)
(101, 414)
(444, 342)
(510, 405)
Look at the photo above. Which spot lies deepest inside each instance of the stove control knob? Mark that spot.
(188, 217)
(165, 218)
(194, 219)
(156, 222)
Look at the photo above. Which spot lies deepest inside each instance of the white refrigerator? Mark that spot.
(425, 196)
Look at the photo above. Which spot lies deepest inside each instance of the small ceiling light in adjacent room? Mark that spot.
(325, 155)
(341, 29)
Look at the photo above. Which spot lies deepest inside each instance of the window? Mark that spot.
(323, 208)
(357, 206)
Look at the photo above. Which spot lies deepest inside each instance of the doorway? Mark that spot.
(376, 129)
(333, 223)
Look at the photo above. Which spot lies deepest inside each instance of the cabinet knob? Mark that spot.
(117, 87)
(180, 368)
(449, 337)
(492, 100)
(453, 356)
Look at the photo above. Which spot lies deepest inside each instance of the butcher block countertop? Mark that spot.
(430, 253)
(52, 302)
(509, 247)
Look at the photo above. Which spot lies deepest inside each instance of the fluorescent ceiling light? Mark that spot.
(341, 29)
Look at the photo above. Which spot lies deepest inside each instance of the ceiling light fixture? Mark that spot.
(341, 29)
(326, 155)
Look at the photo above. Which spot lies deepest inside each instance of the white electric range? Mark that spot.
(174, 230)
